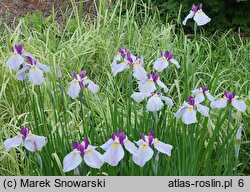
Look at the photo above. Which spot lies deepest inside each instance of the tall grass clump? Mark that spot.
(220, 61)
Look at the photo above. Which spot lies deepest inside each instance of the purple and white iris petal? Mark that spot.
(45, 68)
(114, 154)
(72, 160)
(36, 75)
(129, 146)
(209, 96)
(117, 58)
(106, 145)
(93, 158)
(116, 68)
(13, 142)
(139, 72)
(21, 75)
(15, 61)
(239, 105)
(167, 100)
(34, 142)
(162, 85)
(147, 86)
(189, 116)
(189, 16)
(180, 112)
(160, 64)
(204, 110)
(143, 155)
(176, 63)
(201, 18)
(221, 103)
(154, 103)
(93, 87)
(199, 96)
(74, 89)
(163, 147)
(139, 97)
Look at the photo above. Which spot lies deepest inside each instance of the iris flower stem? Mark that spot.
(155, 115)
(82, 113)
(195, 30)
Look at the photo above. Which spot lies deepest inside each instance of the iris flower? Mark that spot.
(125, 60)
(144, 153)
(113, 147)
(188, 113)
(162, 63)
(199, 94)
(35, 70)
(82, 151)
(229, 98)
(79, 82)
(30, 141)
(155, 101)
(148, 84)
(199, 16)
(16, 59)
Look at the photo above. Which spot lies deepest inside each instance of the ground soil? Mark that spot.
(11, 9)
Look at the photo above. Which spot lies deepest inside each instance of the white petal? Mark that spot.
(154, 103)
(221, 103)
(106, 145)
(71, 161)
(93, 87)
(36, 75)
(209, 96)
(142, 155)
(45, 68)
(189, 16)
(74, 89)
(201, 18)
(204, 110)
(180, 112)
(163, 147)
(130, 146)
(21, 75)
(139, 97)
(140, 142)
(114, 154)
(15, 61)
(175, 63)
(117, 58)
(160, 64)
(199, 97)
(161, 84)
(13, 142)
(167, 100)
(239, 105)
(189, 116)
(93, 158)
(116, 68)
(34, 142)
(147, 87)
(139, 72)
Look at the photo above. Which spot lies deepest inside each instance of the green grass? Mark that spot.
(220, 61)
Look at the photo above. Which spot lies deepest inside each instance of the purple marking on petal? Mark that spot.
(226, 93)
(75, 75)
(75, 144)
(194, 8)
(86, 143)
(166, 54)
(129, 57)
(81, 84)
(150, 139)
(230, 97)
(30, 60)
(83, 74)
(161, 53)
(121, 136)
(204, 89)
(113, 136)
(191, 100)
(81, 148)
(155, 76)
(200, 6)
(143, 137)
(160, 94)
(25, 131)
(19, 49)
(12, 49)
(121, 51)
(149, 75)
(170, 56)
(151, 133)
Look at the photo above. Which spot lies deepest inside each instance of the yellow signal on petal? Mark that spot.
(199, 92)
(150, 81)
(190, 109)
(115, 145)
(163, 58)
(90, 152)
(31, 135)
(75, 82)
(199, 12)
(75, 153)
(15, 54)
(144, 146)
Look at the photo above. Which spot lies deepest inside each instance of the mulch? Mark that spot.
(12, 9)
